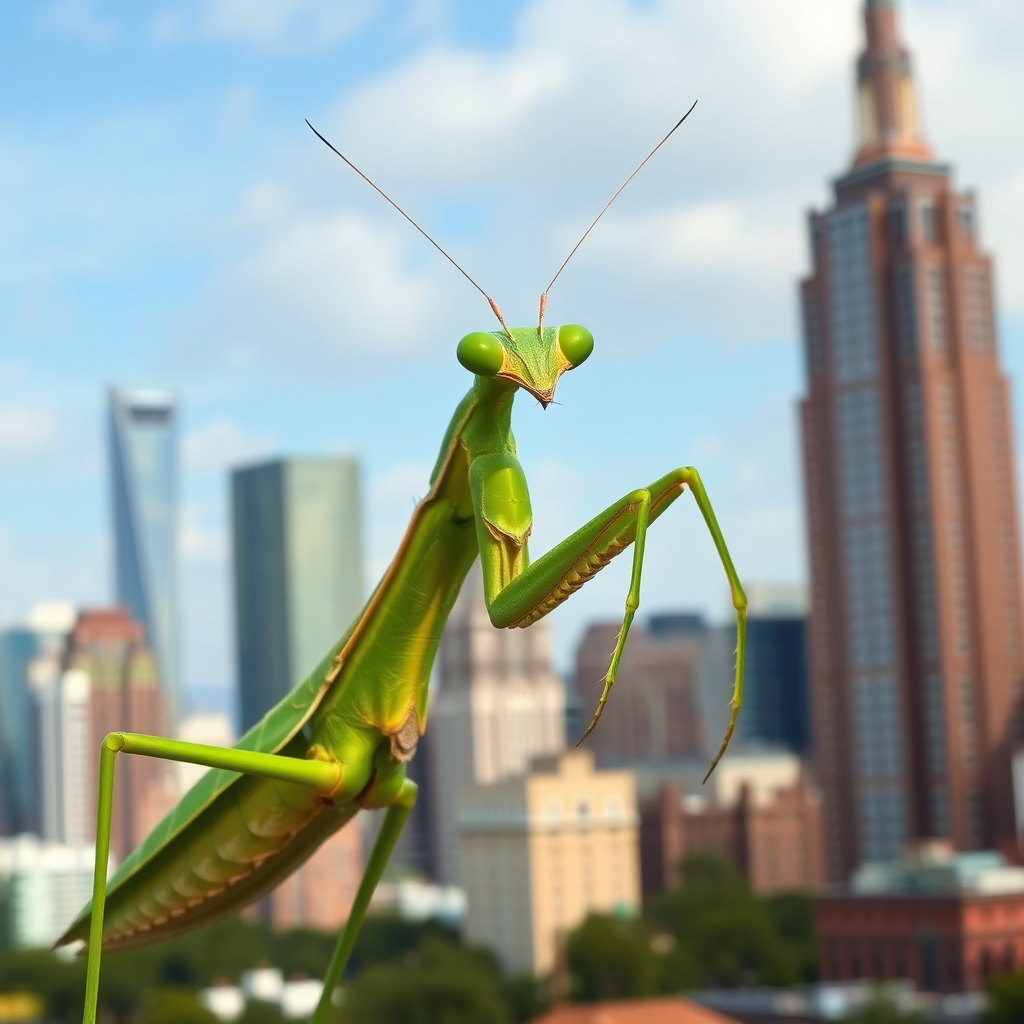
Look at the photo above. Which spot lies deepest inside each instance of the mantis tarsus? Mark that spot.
(340, 741)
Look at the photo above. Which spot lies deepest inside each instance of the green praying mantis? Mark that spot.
(340, 741)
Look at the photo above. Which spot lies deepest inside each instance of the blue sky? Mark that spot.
(166, 218)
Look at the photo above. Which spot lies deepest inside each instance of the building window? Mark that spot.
(898, 222)
(852, 302)
(883, 821)
(935, 307)
(929, 221)
(861, 474)
(965, 218)
(901, 960)
(813, 340)
(975, 814)
(986, 963)
(935, 732)
(980, 336)
(835, 962)
(906, 310)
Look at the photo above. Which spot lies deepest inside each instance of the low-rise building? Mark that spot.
(759, 811)
(42, 887)
(541, 851)
(946, 921)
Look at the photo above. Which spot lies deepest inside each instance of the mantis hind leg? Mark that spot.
(323, 776)
(394, 820)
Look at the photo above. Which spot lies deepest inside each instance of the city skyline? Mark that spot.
(207, 189)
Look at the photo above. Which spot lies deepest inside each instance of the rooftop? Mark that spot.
(634, 1011)
(934, 868)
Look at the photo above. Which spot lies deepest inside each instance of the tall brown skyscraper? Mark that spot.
(916, 611)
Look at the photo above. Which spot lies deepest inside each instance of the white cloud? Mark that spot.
(220, 445)
(199, 543)
(318, 295)
(283, 25)
(239, 108)
(26, 431)
(75, 18)
(535, 135)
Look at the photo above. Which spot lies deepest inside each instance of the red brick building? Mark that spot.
(946, 928)
(124, 694)
(772, 835)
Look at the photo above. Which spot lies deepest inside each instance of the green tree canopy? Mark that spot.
(611, 958)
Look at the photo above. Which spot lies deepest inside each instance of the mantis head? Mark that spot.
(529, 357)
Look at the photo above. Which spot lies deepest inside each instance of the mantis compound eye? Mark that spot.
(575, 342)
(481, 353)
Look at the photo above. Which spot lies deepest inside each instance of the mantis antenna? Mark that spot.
(490, 301)
(544, 294)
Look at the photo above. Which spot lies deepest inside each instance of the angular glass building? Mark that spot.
(144, 475)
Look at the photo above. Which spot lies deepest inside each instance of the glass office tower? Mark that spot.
(144, 475)
(298, 571)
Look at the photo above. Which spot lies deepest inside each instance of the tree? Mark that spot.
(792, 914)
(1005, 999)
(611, 958)
(174, 1006)
(439, 983)
(724, 934)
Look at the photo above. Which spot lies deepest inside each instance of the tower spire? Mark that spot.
(887, 117)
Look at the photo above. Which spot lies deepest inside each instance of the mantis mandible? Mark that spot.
(341, 739)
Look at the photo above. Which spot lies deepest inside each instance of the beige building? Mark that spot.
(499, 705)
(540, 852)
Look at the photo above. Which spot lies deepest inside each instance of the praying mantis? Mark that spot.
(340, 741)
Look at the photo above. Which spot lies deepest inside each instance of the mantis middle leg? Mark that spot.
(518, 593)
(391, 829)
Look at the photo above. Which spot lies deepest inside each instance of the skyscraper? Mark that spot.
(298, 564)
(915, 618)
(499, 705)
(776, 705)
(144, 475)
(655, 709)
(42, 637)
(298, 567)
(109, 683)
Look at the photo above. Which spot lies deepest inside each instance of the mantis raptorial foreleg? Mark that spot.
(538, 587)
